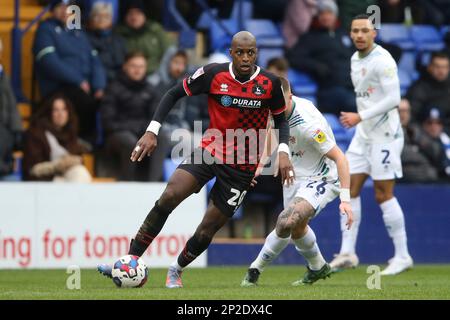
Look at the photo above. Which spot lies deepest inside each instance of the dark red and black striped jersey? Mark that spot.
(238, 106)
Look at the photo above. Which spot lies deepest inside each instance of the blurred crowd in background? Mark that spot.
(98, 87)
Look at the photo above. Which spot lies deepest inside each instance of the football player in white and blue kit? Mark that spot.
(377, 145)
(322, 174)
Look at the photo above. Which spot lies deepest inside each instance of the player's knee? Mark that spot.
(204, 235)
(382, 196)
(169, 199)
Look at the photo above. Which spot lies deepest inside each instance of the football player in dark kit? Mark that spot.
(240, 97)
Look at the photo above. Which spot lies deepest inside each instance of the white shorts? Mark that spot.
(379, 160)
(317, 193)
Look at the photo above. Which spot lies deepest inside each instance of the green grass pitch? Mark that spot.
(217, 283)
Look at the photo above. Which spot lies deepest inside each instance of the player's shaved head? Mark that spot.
(243, 51)
(243, 37)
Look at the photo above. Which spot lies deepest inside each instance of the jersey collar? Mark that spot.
(254, 75)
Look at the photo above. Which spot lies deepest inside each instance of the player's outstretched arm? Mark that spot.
(339, 158)
(148, 142)
(284, 163)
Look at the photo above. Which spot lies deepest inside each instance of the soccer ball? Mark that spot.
(129, 272)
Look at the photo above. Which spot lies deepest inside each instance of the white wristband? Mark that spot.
(345, 195)
(154, 127)
(283, 147)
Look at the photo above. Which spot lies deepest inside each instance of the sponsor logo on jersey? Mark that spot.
(299, 153)
(224, 87)
(227, 101)
(258, 90)
(365, 94)
(319, 136)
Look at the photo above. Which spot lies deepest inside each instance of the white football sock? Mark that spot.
(271, 249)
(308, 248)
(394, 221)
(349, 236)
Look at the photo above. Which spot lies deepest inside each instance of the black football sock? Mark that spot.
(150, 228)
(194, 247)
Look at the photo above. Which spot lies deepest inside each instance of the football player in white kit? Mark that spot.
(376, 147)
(322, 174)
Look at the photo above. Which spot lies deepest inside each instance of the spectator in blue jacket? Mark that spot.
(66, 62)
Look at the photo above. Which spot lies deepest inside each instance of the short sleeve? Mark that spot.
(200, 81)
(277, 104)
(321, 139)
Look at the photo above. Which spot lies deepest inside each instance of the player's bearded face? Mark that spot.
(363, 34)
(244, 58)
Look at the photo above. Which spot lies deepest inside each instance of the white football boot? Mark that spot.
(344, 261)
(397, 265)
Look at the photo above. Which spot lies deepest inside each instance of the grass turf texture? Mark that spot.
(217, 283)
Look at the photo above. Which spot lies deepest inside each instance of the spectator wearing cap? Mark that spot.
(66, 62)
(110, 46)
(142, 34)
(432, 88)
(432, 124)
(324, 53)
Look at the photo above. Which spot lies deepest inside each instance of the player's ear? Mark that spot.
(230, 51)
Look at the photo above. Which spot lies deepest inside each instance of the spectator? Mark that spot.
(433, 126)
(128, 105)
(420, 153)
(172, 69)
(10, 122)
(278, 66)
(432, 89)
(298, 16)
(325, 54)
(111, 47)
(52, 150)
(144, 35)
(66, 62)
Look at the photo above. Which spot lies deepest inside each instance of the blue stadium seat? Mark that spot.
(445, 29)
(265, 54)
(219, 39)
(426, 38)
(408, 62)
(396, 34)
(301, 83)
(205, 20)
(265, 31)
(405, 80)
(247, 10)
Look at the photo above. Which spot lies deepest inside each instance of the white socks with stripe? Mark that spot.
(308, 248)
(272, 248)
(349, 236)
(394, 221)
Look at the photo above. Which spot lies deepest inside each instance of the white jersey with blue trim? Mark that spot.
(377, 90)
(310, 138)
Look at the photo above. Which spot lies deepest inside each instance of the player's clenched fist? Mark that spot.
(145, 146)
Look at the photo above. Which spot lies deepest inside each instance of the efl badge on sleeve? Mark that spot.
(319, 136)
